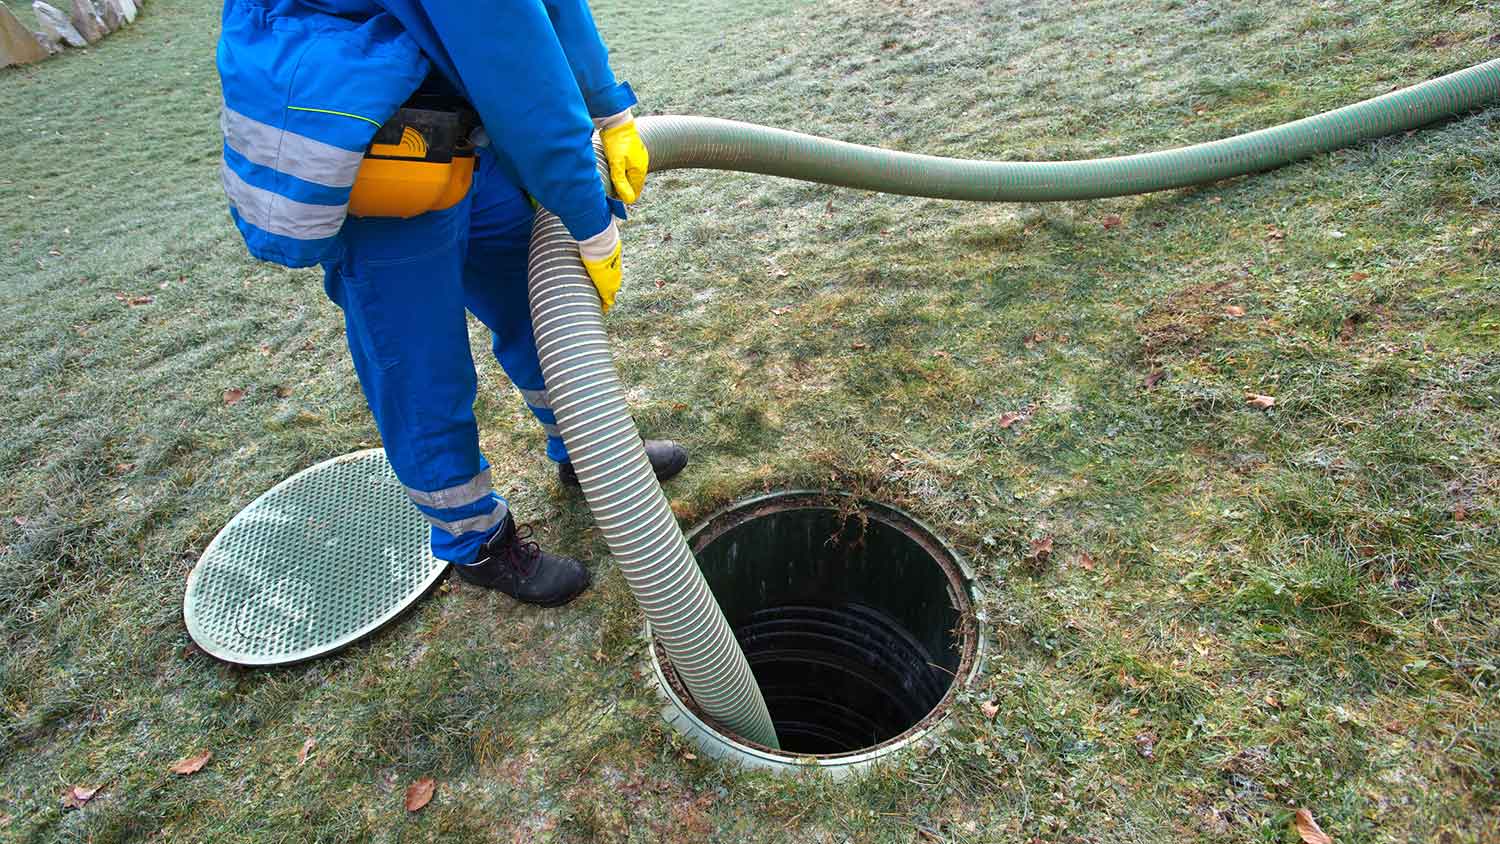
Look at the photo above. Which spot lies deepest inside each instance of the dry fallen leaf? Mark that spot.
(232, 396)
(1460, 513)
(283, 391)
(1259, 401)
(1308, 829)
(75, 797)
(1234, 311)
(1358, 276)
(1086, 560)
(1154, 377)
(134, 301)
(859, 345)
(1274, 233)
(1041, 551)
(1111, 221)
(1009, 418)
(307, 747)
(192, 764)
(990, 709)
(781, 311)
(1349, 326)
(419, 794)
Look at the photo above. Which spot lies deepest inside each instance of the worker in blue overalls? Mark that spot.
(400, 144)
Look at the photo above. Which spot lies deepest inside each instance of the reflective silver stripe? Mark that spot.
(535, 398)
(467, 492)
(551, 430)
(277, 214)
(290, 153)
(460, 527)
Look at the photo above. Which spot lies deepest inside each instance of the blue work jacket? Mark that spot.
(307, 82)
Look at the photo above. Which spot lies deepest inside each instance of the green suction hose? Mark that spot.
(684, 142)
(589, 401)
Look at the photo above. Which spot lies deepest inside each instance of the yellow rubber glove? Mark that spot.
(601, 257)
(626, 154)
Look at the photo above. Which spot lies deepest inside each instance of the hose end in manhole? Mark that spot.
(858, 621)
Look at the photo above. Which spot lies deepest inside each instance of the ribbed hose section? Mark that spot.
(682, 142)
(622, 491)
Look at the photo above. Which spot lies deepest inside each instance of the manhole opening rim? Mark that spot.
(961, 588)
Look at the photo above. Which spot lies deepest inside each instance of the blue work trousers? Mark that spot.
(405, 286)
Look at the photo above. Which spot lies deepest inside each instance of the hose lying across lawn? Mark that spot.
(585, 391)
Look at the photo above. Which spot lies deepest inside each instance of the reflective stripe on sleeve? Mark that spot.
(278, 215)
(460, 495)
(290, 153)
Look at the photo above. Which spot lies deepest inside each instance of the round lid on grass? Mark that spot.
(321, 560)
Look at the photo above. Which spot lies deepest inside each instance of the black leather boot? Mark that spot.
(517, 566)
(667, 459)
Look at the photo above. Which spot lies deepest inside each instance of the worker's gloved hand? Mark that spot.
(601, 257)
(626, 154)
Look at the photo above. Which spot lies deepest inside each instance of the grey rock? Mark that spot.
(56, 26)
(125, 9)
(86, 20)
(17, 44)
(110, 13)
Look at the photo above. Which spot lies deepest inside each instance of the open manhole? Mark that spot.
(856, 619)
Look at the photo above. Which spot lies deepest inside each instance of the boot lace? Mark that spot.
(521, 552)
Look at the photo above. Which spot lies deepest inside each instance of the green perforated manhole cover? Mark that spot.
(325, 557)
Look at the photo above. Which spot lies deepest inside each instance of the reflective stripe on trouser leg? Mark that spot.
(495, 287)
(469, 507)
(400, 283)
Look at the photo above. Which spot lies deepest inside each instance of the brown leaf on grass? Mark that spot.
(1154, 377)
(780, 311)
(1234, 311)
(1274, 233)
(192, 764)
(1145, 745)
(857, 346)
(1460, 513)
(1111, 221)
(990, 709)
(283, 391)
(134, 301)
(1086, 560)
(1349, 325)
(419, 794)
(1308, 829)
(1041, 551)
(232, 396)
(1009, 418)
(1260, 402)
(307, 747)
(75, 797)
(1357, 276)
